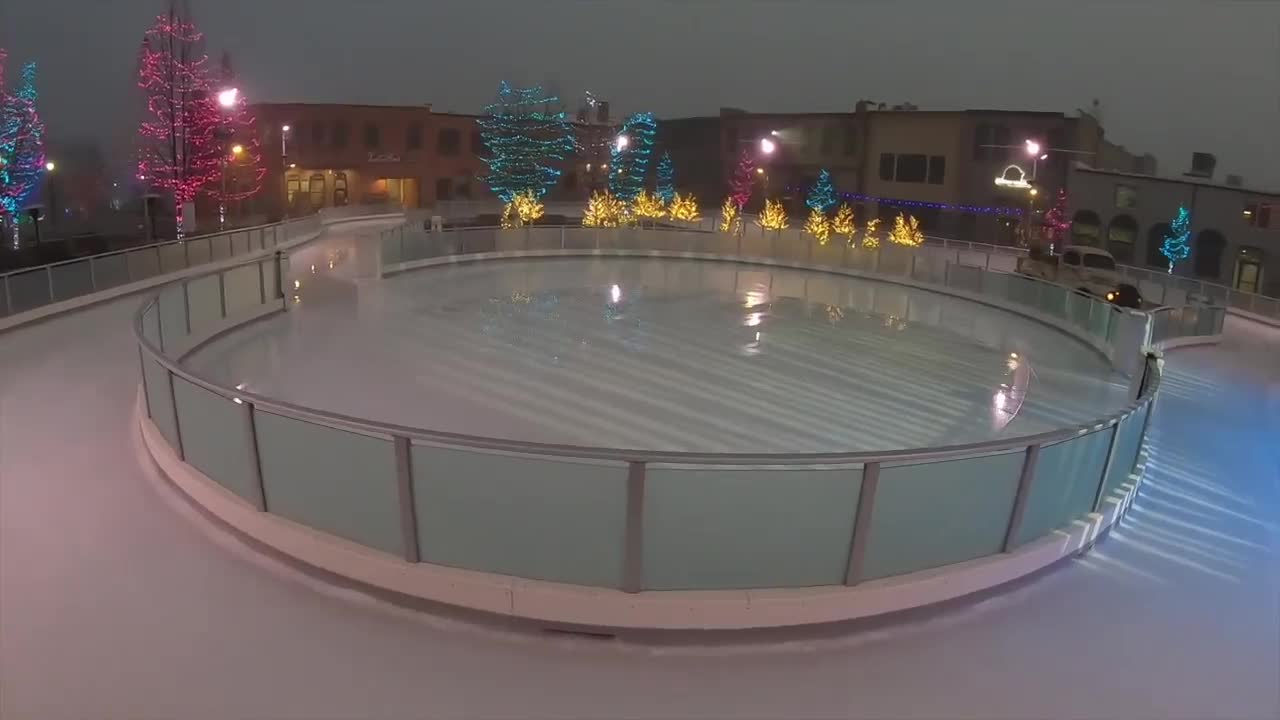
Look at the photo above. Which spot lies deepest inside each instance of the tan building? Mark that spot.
(1235, 230)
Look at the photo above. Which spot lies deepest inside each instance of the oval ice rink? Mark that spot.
(663, 354)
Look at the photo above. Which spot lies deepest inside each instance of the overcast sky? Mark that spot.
(1173, 75)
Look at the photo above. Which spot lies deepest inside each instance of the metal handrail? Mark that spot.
(392, 430)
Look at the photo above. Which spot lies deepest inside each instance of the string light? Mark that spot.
(525, 139)
(818, 225)
(822, 196)
(666, 179)
(604, 209)
(897, 202)
(1177, 244)
(773, 217)
(743, 182)
(684, 207)
(730, 218)
(631, 154)
(906, 231)
(1056, 224)
(646, 205)
(871, 236)
(843, 223)
(178, 149)
(22, 158)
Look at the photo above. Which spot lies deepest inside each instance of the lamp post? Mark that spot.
(227, 99)
(50, 193)
(284, 167)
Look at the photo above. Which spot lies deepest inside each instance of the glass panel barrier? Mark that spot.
(71, 280)
(219, 248)
(268, 268)
(332, 480)
(173, 315)
(831, 254)
(1100, 321)
(215, 438)
(155, 380)
(1065, 483)
(390, 247)
(206, 303)
(1053, 300)
(239, 243)
(243, 288)
(539, 239)
(1078, 309)
(1128, 443)
(29, 290)
(562, 520)
(714, 528)
(143, 263)
(110, 271)
(198, 251)
(937, 513)
(173, 257)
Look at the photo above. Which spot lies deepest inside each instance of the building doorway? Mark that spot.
(1248, 274)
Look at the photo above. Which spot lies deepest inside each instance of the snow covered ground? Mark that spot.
(118, 600)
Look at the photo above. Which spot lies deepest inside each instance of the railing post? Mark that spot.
(1025, 478)
(159, 262)
(262, 285)
(862, 524)
(1106, 467)
(8, 302)
(633, 549)
(255, 458)
(173, 403)
(48, 272)
(279, 270)
(186, 305)
(93, 276)
(146, 393)
(222, 294)
(404, 492)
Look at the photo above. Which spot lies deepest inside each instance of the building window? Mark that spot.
(372, 136)
(886, 166)
(340, 133)
(315, 190)
(1126, 196)
(911, 168)
(462, 188)
(981, 138)
(1206, 254)
(1122, 233)
(317, 134)
(1084, 228)
(340, 189)
(293, 185)
(850, 139)
(477, 143)
(1257, 215)
(937, 169)
(444, 189)
(449, 142)
(413, 138)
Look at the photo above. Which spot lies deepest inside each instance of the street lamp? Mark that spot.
(236, 150)
(284, 161)
(767, 146)
(49, 167)
(227, 98)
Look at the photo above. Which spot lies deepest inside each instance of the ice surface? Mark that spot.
(115, 601)
(665, 354)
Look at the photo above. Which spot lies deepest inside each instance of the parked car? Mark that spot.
(1089, 270)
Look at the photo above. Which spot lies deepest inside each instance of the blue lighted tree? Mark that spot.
(22, 159)
(666, 179)
(822, 196)
(526, 138)
(629, 158)
(1177, 244)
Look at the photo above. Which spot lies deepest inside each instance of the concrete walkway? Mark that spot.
(118, 600)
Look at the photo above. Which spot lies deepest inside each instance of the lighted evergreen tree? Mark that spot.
(1177, 244)
(822, 196)
(526, 137)
(1056, 224)
(22, 158)
(236, 127)
(743, 182)
(629, 158)
(178, 151)
(666, 179)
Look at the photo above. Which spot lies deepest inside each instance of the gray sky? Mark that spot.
(1173, 75)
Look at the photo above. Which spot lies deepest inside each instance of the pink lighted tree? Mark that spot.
(236, 128)
(178, 150)
(744, 178)
(1056, 224)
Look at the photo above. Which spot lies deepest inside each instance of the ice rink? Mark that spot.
(118, 600)
(662, 354)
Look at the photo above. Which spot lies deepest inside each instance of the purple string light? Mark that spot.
(893, 202)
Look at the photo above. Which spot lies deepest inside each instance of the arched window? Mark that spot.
(1122, 234)
(1155, 241)
(315, 188)
(340, 189)
(1084, 228)
(1206, 253)
(293, 185)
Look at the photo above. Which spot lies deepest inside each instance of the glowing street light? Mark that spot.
(1033, 148)
(227, 98)
(236, 150)
(50, 166)
(285, 128)
(767, 146)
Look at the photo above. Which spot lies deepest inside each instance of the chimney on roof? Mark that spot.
(1202, 165)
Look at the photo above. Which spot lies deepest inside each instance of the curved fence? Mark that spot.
(631, 519)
